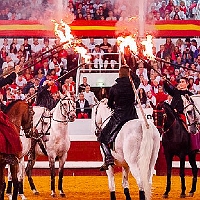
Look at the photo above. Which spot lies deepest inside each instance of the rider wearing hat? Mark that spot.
(176, 92)
(121, 100)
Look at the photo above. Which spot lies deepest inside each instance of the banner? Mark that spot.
(95, 28)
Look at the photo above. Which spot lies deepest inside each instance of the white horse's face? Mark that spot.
(191, 108)
(68, 108)
(102, 113)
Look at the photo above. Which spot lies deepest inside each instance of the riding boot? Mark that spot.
(109, 160)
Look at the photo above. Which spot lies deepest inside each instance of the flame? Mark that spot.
(63, 31)
(148, 52)
(127, 41)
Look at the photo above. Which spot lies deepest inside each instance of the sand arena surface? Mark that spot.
(96, 187)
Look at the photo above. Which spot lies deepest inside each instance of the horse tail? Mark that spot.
(145, 155)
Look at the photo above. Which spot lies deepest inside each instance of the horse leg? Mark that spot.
(182, 175)
(9, 187)
(14, 171)
(2, 182)
(192, 161)
(53, 174)
(111, 182)
(60, 174)
(29, 167)
(125, 184)
(169, 169)
(20, 176)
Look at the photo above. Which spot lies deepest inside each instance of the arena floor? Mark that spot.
(96, 187)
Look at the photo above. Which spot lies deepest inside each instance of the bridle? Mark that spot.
(64, 111)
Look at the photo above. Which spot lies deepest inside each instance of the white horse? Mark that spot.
(136, 150)
(58, 144)
(192, 111)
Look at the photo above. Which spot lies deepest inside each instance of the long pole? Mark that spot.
(139, 102)
(58, 79)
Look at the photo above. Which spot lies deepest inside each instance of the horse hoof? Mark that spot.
(53, 195)
(191, 194)
(182, 195)
(22, 197)
(9, 196)
(62, 195)
(165, 196)
(35, 192)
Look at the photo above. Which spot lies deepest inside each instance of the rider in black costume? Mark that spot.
(121, 100)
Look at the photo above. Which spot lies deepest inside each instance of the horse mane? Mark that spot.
(10, 105)
(170, 109)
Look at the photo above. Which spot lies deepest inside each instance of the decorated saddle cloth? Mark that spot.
(10, 142)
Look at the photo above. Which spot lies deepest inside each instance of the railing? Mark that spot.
(100, 72)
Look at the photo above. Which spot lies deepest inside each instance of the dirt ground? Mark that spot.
(96, 187)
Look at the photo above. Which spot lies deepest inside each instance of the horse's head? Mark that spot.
(191, 109)
(102, 114)
(67, 108)
(27, 120)
(159, 116)
(21, 114)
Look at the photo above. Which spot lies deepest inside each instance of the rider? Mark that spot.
(121, 100)
(8, 131)
(176, 92)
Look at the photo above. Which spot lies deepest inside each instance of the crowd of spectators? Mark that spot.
(99, 9)
(184, 54)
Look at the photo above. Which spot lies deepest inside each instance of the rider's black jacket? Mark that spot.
(121, 100)
(177, 102)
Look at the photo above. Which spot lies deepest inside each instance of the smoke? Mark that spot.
(133, 17)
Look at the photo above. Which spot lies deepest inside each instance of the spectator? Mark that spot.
(83, 111)
(145, 85)
(19, 94)
(91, 45)
(27, 49)
(104, 45)
(36, 47)
(109, 58)
(142, 96)
(111, 16)
(83, 85)
(97, 56)
(21, 82)
(89, 96)
(162, 53)
(160, 96)
(102, 94)
(196, 53)
(187, 56)
(151, 100)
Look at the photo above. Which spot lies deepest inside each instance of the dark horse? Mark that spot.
(176, 142)
(21, 115)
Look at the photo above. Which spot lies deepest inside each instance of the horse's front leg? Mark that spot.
(168, 158)
(111, 182)
(192, 161)
(2, 182)
(14, 170)
(125, 184)
(53, 174)
(182, 175)
(29, 167)
(60, 173)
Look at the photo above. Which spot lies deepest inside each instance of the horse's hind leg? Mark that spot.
(111, 182)
(2, 182)
(14, 171)
(125, 184)
(192, 161)
(60, 173)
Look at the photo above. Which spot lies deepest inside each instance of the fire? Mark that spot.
(63, 31)
(128, 41)
(148, 52)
